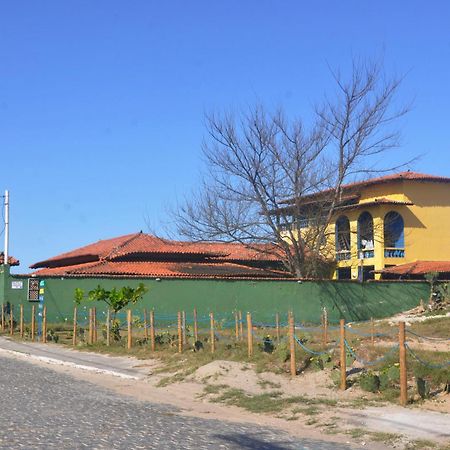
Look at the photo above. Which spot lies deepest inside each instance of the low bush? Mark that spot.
(369, 382)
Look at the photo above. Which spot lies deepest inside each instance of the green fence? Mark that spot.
(349, 300)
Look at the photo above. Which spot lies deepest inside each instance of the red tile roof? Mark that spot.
(141, 243)
(11, 260)
(145, 243)
(418, 268)
(91, 252)
(392, 178)
(160, 269)
(401, 176)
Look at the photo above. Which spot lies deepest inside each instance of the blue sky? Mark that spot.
(102, 102)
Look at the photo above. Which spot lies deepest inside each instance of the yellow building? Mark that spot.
(388, 221)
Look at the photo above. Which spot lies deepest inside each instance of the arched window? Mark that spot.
(394, 235)
(342, 238)
(365, 235)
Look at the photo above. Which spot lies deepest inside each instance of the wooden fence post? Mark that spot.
(195, 325)
(21, 327)
(402, 361)
(249, 335)
(3, 317)
(152, 330)
(241, 326)
(277, 327)
(130, 331)
(213, 338)
(372, 332)
(74, 337)
(74, 329)
(108, 327)
(145, 325)
(11, 320)
(44, 324)
(94, 323)
(33, 322)
(325, 327)
(343, 356)
(236, 325)
(183, 325)
(90, 337)
(291, 321)
(180, 336)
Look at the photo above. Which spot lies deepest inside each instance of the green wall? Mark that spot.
(350, 300)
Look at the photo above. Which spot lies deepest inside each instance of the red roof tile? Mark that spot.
(418, 268)
(408, 175)
(91, 252)
(141, 243)
(396, 177)
(11, 260)
(160, 270)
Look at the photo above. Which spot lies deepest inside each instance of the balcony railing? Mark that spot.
(394, 252)
(364, 254)
(342, 255)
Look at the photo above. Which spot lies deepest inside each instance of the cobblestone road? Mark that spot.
(41, 408)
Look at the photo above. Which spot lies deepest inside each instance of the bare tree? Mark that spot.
(271, 180)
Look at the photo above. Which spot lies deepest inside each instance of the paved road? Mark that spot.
(41, 408)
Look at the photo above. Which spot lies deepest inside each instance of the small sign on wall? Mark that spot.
(16, 284)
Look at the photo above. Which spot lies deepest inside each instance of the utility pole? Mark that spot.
(6, 252)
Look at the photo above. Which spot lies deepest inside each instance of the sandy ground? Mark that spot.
(410, 318)
(420, 344)
(332, 423)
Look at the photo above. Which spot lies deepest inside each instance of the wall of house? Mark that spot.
(394, 190)
(427, 236)
(426, 223)
(350, 300)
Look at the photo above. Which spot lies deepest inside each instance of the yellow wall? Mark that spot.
(393, 191)
(427, 223)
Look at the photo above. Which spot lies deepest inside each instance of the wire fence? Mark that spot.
(190, 330)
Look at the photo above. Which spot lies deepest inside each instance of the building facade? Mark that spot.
(388, 221)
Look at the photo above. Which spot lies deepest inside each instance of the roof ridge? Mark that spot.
(115, 249)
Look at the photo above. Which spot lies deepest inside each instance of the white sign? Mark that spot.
(16, 284)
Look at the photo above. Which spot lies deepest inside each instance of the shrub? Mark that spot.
(423, 387)
(336, 377)
(282, 352)
(267, 345)
(52, 336)
(369, 382)
(322, 361)
(388, 377)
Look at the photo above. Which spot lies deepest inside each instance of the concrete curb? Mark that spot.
(59, 362)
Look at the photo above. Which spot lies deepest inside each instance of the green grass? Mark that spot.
(421, 444)
(271, 402)
(432, 327)
(178, 377)
(264, 384)
(311, 421)
(214, 388)
(387, 438)
(307, 411)
(262, 403)
(357, 433)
